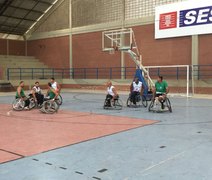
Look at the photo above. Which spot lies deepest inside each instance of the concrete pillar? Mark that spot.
(195, 50)
(194, 60)
(195, 55)
(123, 65)
(122, 39)
(70, 38)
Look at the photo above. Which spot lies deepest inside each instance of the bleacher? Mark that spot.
(18, 62)
(15, 62)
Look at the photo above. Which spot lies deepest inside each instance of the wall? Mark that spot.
(87, 50)
(54, 52)
(172, 51)
(3, 46)
(15, 47)
(205, 49)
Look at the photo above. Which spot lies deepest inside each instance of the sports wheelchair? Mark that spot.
(116, 104)
(18, 104)
(50, 106)
(140, 101)
(158, 106)
(59, 99)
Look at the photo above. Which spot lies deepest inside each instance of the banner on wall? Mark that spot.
(183, 19)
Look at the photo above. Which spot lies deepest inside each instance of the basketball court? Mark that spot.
(84, 46)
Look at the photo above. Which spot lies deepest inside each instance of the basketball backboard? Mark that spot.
(120, 39)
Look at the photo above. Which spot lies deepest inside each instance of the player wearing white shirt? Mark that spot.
(135, 89)
(55, 85)
(111, 93)
(37, 95)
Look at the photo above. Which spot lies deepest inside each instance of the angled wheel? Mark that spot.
(168, 104)
(18, 104)
(144, 101)
(32, 103)
(49, 107)
(118, 104)
(129, 102)
(59, 100)
(150, 108)
(106, 106)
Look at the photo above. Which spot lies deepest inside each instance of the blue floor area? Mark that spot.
(179, 147)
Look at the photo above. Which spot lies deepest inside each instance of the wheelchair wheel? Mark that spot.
(59, 100)
(138, 102)
(150, 108)
(49, 107)
(168, 104)
(106, 106)
(117, 104)
(18, 104)
(32, 103)
(129, 103)
(144, 101)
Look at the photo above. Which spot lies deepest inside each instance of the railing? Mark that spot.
(199, 72)
(202, 71)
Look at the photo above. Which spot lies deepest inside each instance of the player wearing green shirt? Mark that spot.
(161, 89)
(20, 93)
(51, 92)
(161, 86)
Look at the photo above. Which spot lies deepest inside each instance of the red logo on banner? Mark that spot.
(168, 20)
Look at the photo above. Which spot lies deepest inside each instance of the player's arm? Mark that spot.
(58, 87)
(115, 93)
(167, 88)
(142, 90)
(131, 87)
(33, 94)
(55, 92)
(19, 92)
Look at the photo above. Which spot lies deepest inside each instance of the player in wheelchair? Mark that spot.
(112, 98)
(160, 101)
(136, 94)
(21, 100)
(50, 104)
(37, 94)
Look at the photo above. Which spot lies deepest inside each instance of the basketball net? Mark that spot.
(113, 49)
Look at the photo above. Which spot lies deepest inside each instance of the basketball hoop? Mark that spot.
(111, 51)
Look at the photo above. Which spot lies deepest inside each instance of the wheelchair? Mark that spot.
(59, 100)
(18, 104)
(159, 107)
(140, 101)
(117, 104)
(50, 106)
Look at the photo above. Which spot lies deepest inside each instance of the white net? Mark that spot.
(177, 76)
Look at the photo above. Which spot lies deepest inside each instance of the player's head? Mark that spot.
(52, 80)
(37, 83)
(109, 83)
(160, 78)
(21, 83)
(136, 80)
(49, 84)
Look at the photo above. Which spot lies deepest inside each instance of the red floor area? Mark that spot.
(7, 156)
(31, 132)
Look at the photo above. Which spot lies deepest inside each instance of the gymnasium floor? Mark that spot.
(85, 142)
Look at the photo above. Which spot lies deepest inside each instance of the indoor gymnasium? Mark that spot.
(105, 89)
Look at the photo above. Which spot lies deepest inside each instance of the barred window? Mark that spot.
(91, 12)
